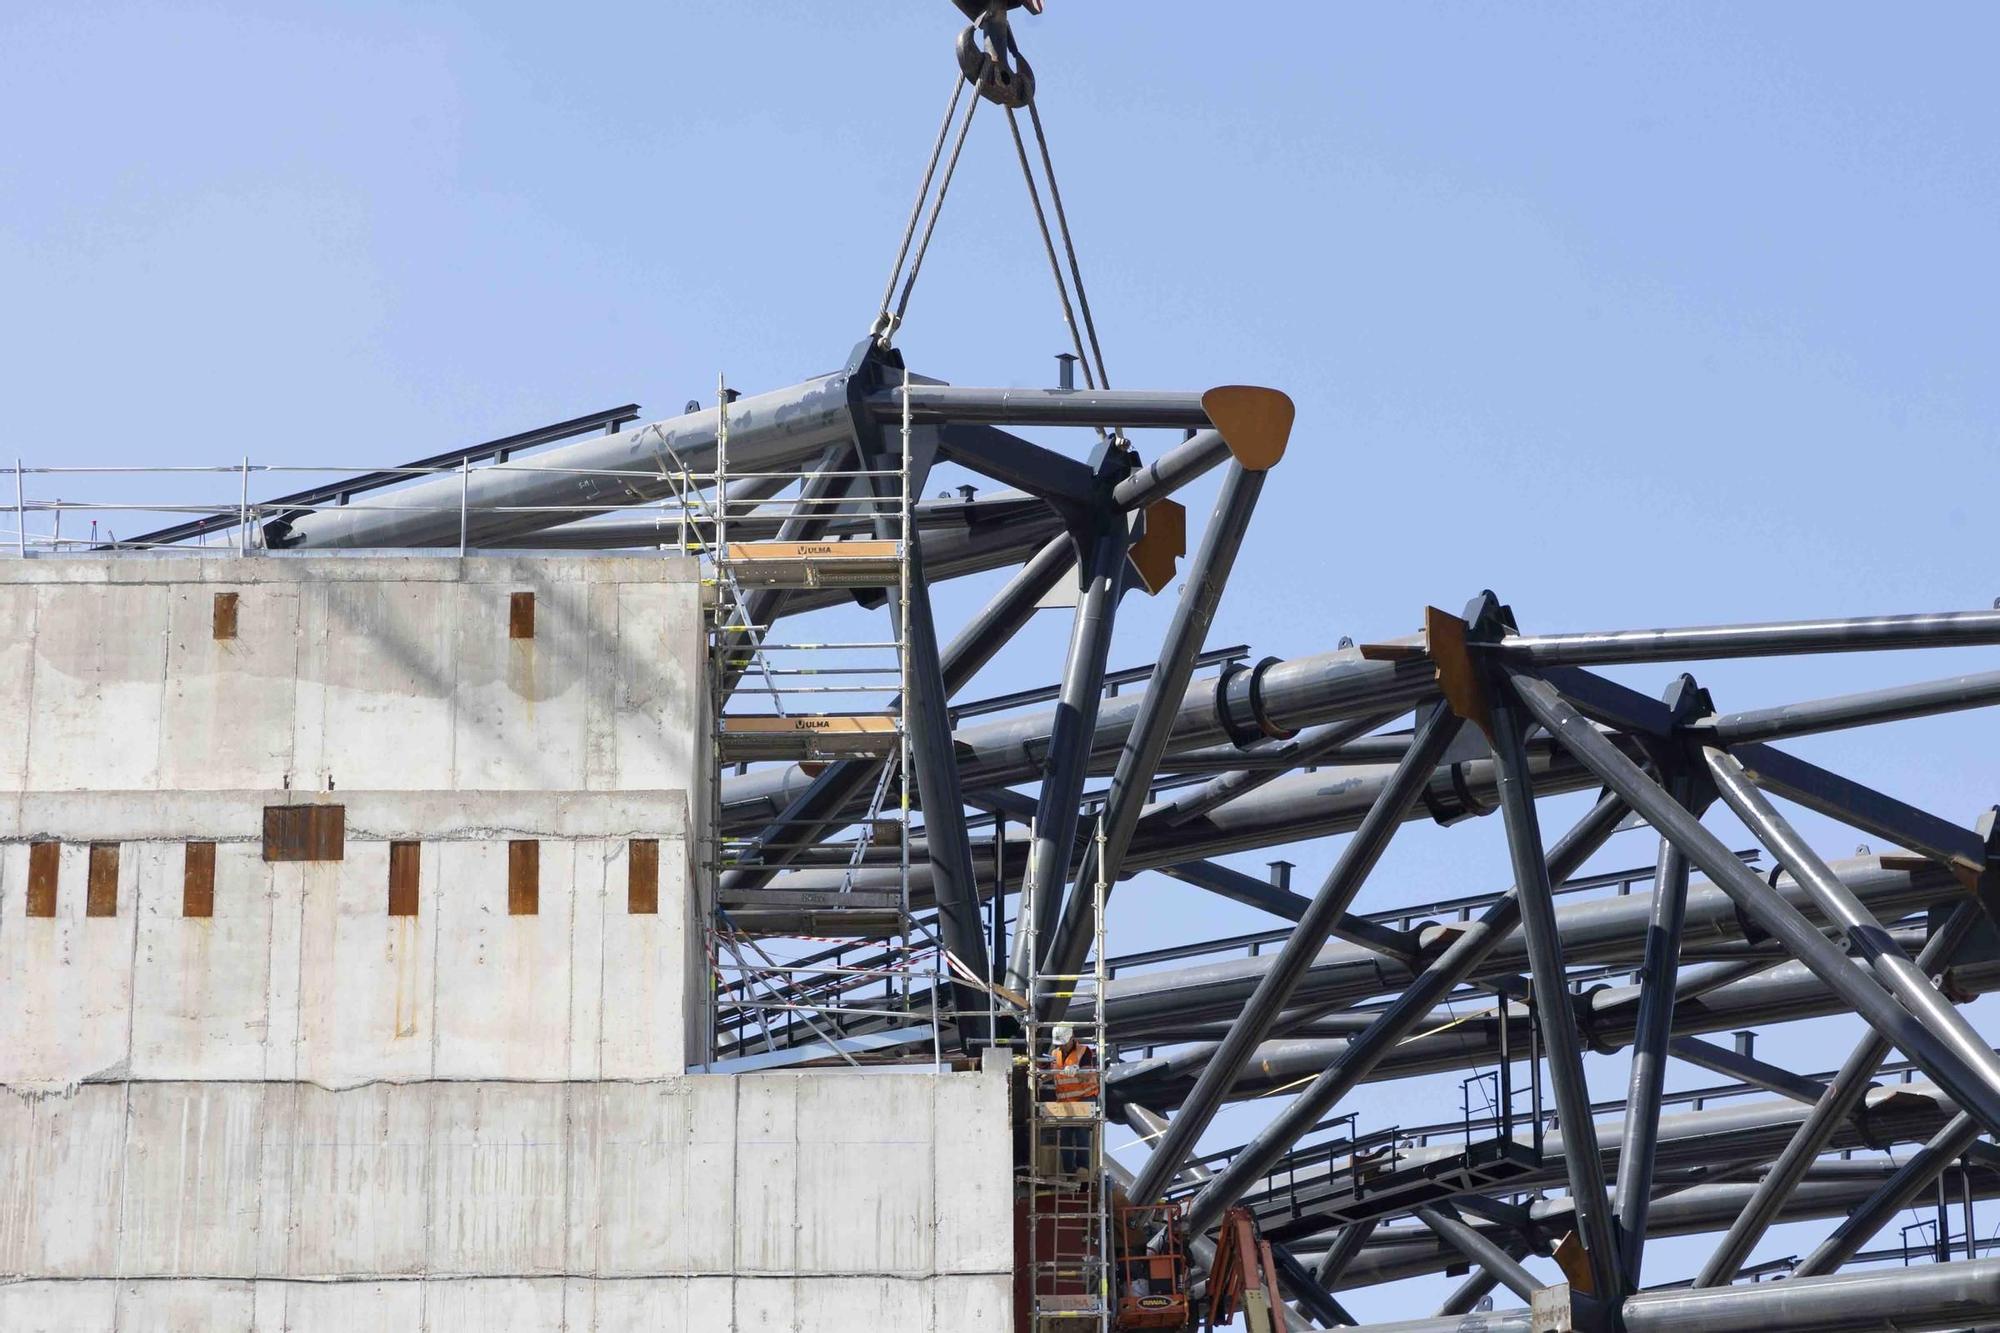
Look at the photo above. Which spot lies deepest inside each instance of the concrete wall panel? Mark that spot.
(500, 1185)
(66, 980)
(100, 670)
(973, 1155)
(18, 603)
(226, 716)
(767, 1173)
(193, 1176)
(360, 1183)
(60, 1307)
(503, 991)
(494, 1304)
(344, 1307)
(186, 1307)
(61, 1185)
(864, 1174)
(202, 986)
(366, 979)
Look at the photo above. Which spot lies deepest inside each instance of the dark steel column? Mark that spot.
(1068, 759)
(1554, 1018)
(1658, 979)
(1139, 760)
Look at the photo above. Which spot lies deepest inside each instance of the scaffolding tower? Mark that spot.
(820, 523)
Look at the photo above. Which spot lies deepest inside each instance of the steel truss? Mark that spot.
(1202, 755)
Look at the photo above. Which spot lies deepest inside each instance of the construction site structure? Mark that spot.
(573, 881)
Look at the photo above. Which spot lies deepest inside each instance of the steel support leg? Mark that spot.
(1658, 976)
(1068, 759)
(1758, 901)
(1554, 1017)
(1132, 780)
(1275, 987)
(1360, 1056)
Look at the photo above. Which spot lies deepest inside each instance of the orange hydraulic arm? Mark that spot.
(1243, 1277)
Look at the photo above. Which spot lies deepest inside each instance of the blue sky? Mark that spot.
(1637, 315)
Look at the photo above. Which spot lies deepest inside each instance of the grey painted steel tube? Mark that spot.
(969, 405)
(1843, 1095)
(1658, 991)
(1283, 696)
(1274, 991)
(1345, 1246)
(1759, 901)
(1298, 752)
(766, 431)
(1146, 742)
(1891, 967)
(1896, 1193)
(1927, 1298)
(1468, 948)
(1556, 1022)
(1479, 1248)
(1056, 810)
(1766, 639)
(1857, 710)
(1171, 470)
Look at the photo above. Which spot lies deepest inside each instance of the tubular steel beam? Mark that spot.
(1658, 991)
(1274, 990)
(1146, 742)
(1479, 1248)
(767, 431)
(1927, 1298)
(1067, 762)
(1469, 947)
(1864, 933)
(1300, 751)
(969, 405)
(1842, 1097)
(1555, 1021)
(1856, 710)
(1768, 639)
(1759, 901)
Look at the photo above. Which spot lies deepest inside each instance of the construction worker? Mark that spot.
(1072, 1078)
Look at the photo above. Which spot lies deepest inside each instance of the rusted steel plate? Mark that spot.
(305, 832)
(101, 892)
(404, 858)
(198, 880)
(43, 858)
(521, 616)
(225, 615)
(642, 877)
(524, 877)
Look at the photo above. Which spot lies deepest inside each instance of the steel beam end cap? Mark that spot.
(1255, 422)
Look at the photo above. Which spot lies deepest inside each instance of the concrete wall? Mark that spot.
(302, 1112)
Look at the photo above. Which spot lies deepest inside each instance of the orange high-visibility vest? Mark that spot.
(1075, 1081)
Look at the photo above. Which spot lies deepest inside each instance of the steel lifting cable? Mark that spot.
(1069, 247)
(886, 324)
(1049, 245)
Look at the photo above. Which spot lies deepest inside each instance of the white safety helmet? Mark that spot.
(1064, 1034)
